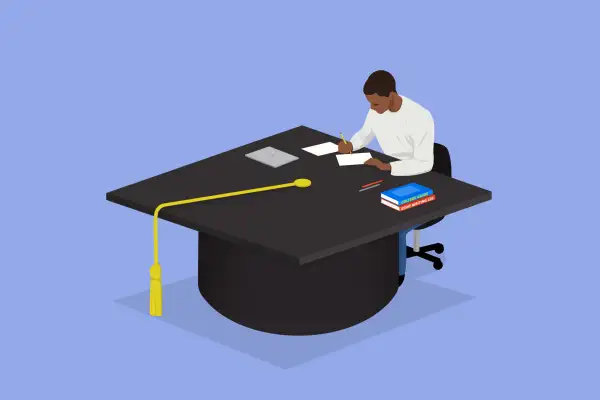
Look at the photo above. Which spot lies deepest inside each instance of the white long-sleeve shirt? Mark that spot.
(407, 134)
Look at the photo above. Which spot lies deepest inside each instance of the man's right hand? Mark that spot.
(345, 147)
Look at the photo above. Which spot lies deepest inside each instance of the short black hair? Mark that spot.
(380, 82)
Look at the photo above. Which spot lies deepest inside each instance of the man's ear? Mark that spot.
(392, 99)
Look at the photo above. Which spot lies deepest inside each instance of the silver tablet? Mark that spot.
(272, 157)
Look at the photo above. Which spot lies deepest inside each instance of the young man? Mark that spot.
(404, 129)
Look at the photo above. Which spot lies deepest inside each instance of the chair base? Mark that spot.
(423, 253)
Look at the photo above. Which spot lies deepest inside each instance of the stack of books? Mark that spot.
(407, 196)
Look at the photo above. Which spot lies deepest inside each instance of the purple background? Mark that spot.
(95, 95)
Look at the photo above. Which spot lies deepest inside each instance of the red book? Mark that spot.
(412, 204)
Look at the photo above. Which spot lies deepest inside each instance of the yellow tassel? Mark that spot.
(155, 271)
(155, 291)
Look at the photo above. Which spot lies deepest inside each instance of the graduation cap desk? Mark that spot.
(302, 258)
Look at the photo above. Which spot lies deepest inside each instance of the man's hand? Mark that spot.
(379, 164)
(345, 147)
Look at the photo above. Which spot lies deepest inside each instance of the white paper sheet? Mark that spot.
(353, 159)
(322, 149)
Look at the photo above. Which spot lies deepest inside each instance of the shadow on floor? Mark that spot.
(186, 309)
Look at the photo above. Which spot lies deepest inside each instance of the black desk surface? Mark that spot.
(304, 223)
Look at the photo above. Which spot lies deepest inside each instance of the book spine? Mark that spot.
(417, 202)
(406, 200)
(417, 197)
(412, 204)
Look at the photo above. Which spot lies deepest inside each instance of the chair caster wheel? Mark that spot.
(438, 264)
(439, 248)
(400, 280)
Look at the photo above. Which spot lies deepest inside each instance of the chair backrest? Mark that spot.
(442, 163)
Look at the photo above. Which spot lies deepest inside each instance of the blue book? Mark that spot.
(406, 194)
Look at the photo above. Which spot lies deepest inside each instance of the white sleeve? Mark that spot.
(421, 159)
(363, 137)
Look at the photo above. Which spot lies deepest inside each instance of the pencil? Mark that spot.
(372, 183)
(343, 138)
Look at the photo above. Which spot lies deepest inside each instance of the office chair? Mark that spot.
(442, 165)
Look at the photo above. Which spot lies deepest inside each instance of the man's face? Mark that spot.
(379, 103)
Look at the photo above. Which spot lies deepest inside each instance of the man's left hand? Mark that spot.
(379, 164)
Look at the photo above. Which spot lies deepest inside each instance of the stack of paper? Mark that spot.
(343, 159)
(353, 159)
(322, 149)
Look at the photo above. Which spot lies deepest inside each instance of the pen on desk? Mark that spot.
(368, 187)
(372, 183)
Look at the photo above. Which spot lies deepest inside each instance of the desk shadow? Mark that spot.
(185, 308)
(417, 267)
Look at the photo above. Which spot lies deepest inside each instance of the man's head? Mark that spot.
(378, 89)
